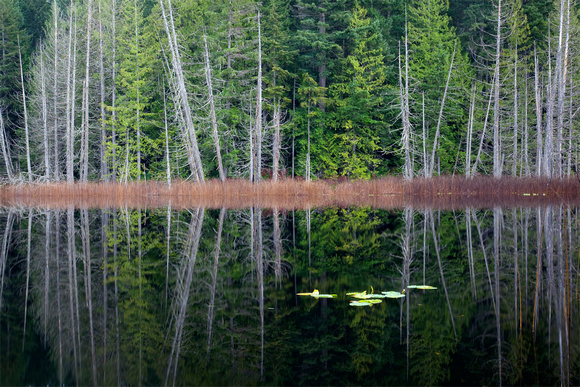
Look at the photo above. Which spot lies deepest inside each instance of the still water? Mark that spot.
(209, 297)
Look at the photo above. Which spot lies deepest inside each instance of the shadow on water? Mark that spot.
(204, 296)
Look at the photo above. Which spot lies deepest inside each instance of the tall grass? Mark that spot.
(444, 192)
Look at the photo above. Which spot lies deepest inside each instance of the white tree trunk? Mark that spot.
(85, 130)
(181, 91)
(168, 171)
(539, 137)
(216, 140)
(277, 141)
(26, 134)
(258, 125)
(103, 162)
(497, 168)
(44, 117)
(437, 130)
(5, 148)
(55, 95)
(69, 109)
(515, 145)
(114, 92)
(470, 133)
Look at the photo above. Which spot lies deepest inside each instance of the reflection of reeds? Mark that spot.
(446, 192)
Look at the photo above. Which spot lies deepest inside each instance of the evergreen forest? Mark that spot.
(133, 90)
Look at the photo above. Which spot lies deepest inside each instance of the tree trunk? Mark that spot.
(168, 166)
(258, 125)
(470, 133)
(69, 112)
(102, 144)
(197, 168)
(214, 125)
(5, 148)
(538, 93)
(497, 168)
(138, 109)
(515, 149)
(26, 134)
(55, 96)
(85, 130)
(114, 92)
(277, 141)
(432, 164)
(44, 118)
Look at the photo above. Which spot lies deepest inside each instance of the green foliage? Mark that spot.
(135, 87)
(356, 100)
(433, 45)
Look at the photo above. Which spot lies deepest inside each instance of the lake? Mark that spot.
(209, 296)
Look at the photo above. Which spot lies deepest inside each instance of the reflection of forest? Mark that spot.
(196, 297)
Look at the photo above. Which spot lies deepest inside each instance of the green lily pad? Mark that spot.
(365, 302)
(393, 294)
(421, 287)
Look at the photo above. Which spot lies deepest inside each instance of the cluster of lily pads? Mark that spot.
(364, 299)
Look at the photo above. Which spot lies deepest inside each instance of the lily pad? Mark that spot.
(393, 294)
(364, 295)
(421, 287)
(365, 302)
(317, 294)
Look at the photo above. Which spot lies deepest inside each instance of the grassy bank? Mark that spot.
(444, 192)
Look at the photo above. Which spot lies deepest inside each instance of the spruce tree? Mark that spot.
(356, 101)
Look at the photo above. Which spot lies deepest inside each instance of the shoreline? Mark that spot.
(444, 192)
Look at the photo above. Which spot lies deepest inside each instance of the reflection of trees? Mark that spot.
(203, 297)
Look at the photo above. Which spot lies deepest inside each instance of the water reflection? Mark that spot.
(166, 297)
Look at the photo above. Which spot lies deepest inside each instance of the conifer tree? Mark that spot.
(356, 101)
(433, 47)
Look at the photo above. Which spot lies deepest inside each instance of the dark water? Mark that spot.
(208, 297)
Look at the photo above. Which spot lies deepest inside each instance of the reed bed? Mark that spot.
(445, 192)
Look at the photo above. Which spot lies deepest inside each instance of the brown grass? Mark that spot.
(444, 192)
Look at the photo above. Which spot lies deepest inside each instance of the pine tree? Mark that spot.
(434, 47)
(133, 86)
(356, 101)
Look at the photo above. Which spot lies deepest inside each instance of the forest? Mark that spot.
(133, 90)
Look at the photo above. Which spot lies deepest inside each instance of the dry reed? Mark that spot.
(446, 192)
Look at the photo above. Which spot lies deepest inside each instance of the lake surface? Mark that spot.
(209, 297)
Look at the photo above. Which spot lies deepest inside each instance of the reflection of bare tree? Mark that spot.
(182, 289)
(441, 271)
(497, 218)
(259, 251)
(408, 252)
(71, 289)
(210, 313)
(86, 248)
(277, 247)
(4, 250)
(28, 246)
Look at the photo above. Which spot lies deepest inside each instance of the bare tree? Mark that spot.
(211, 101)
(181, 98)
(85, 109)
(26, 133)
